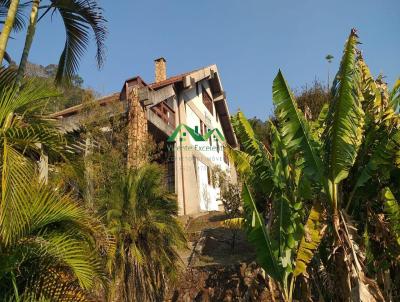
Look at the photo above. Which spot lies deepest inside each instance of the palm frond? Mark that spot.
(7, 76)
(14, 204)
(65, 250)
(78, 16)
(28, 101)
(27, 137)
(41, 229)
(20, 18)
(142, 217)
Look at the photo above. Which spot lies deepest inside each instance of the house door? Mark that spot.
(205, 198)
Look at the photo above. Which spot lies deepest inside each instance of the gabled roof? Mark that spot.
(174, 79)
(210, 72)
(169, 81)
(184, 80)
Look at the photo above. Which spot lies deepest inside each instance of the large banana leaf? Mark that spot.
(344, 124)
(392, 210)
(259, 236)
(383, 158)
(313, 232)
(241, 159)
(368, 89)
(394, 97)
(294, 128)
(258, 154)
(246, 135)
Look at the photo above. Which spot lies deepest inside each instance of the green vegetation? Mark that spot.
(319, 183)
(320, 200)
(70, 233)
(70, 95)
(47, 239)
(141, 217)
(78, 17)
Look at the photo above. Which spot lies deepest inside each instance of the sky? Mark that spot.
(248, 40)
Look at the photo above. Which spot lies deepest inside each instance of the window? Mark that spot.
(207, 101)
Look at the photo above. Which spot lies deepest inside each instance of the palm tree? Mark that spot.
(48, 242)
(141, 214)
(10, 17)
(78, 16)
(12, 8)
(329, 58)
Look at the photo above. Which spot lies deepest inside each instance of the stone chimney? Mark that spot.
(160, 65)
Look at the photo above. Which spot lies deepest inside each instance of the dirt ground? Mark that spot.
(216, 269)
(211, 243)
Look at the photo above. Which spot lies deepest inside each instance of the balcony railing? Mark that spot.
(165, 112)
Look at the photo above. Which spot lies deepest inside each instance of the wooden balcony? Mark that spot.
(165, 113)
(162, 117)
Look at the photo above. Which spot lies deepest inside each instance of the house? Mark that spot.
(189, 113)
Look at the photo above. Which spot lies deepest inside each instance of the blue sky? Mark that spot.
(248, 40)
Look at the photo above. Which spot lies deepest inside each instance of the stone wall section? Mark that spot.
(137, 129)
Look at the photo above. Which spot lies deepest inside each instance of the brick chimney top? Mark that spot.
(160, 65)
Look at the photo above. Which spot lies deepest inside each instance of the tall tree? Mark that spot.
(8, 25)
(141, 214)
(78, 16)
(29, 39)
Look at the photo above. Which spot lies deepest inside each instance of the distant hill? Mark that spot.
(71, 95)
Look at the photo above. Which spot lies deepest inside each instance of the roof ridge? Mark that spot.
(176, 78)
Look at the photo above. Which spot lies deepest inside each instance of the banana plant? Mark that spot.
(321, 168)
(392, 210)
(275, 178)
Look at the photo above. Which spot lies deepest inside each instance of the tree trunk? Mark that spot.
(28, 40)
(8, 24)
